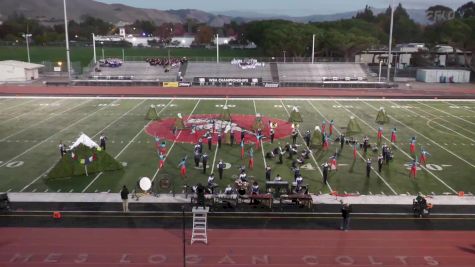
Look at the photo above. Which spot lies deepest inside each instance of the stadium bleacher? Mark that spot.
(318, 72)
(228, 70)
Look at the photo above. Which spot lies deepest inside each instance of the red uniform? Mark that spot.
(393, 137)
(380, 134)
(413, 171)
(412, 147)
(354, 152)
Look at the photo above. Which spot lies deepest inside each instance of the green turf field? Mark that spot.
(85, 54)
(31, 128)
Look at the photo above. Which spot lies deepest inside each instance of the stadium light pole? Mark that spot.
(390, 39)
(27, 36)
(380, 65)
(94, 48)
(313, 48)
(68, 59)
(217, 48)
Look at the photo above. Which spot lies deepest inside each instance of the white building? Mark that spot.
(184, 42)
(18, 71)
(224, 40)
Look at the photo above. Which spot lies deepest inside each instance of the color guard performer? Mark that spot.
(423, 157)
(413, 170)
(182, 166)
(412, 146)
(393, 136)
(380, 134)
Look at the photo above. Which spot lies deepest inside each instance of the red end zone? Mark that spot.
(283, 248)
(203, 122)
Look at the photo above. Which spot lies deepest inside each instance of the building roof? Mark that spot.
(20, 64)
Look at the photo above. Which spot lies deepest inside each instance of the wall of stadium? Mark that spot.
(17, 71)
(443, 76)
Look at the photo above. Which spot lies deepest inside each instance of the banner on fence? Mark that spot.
(184, 84)
(170, 84)
(271, 85)
(226, 80)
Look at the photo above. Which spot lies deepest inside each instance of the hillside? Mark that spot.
(52, 10)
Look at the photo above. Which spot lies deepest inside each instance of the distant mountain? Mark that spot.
(418, 15)
(51, 11)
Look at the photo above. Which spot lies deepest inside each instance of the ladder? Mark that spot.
(199, 225)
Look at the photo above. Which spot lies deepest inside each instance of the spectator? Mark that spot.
(124, 194)
(345, 214)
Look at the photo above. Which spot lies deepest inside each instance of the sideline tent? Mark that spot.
(353, 127)
(258, 124)
(317, 136)
(382, 117)
(179, 123)
(84, 157)
(295, 115)
(225, 114)
(152, 114)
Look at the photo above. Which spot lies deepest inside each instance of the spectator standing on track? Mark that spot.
(345, 214)
(102, 141)
(124, 195)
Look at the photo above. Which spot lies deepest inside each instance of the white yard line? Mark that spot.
(420, 134)
(26, 113)
(441, 125)
(216, 149)
(359, 154)
(464, 108)
(126, 146)
(261, 143)
(38, 144)
(42, 121)
(237, 98)
(402, 151)
(457, 117)
(176, 138)
(311, 154)
(49, 169)
(18, 105)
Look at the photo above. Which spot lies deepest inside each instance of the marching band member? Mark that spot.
(380, 134)
(424, 156)
(412, 146)
(393, 136)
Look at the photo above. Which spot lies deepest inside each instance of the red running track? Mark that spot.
(420, 92)
(278, 248)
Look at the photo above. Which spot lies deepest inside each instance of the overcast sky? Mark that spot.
(286, 7)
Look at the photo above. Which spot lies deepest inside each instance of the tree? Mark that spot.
(204, 35)
(465, 11)
(366, 15)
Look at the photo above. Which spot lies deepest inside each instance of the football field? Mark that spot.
(32, 128)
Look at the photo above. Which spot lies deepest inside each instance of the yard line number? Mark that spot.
(13, 164)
